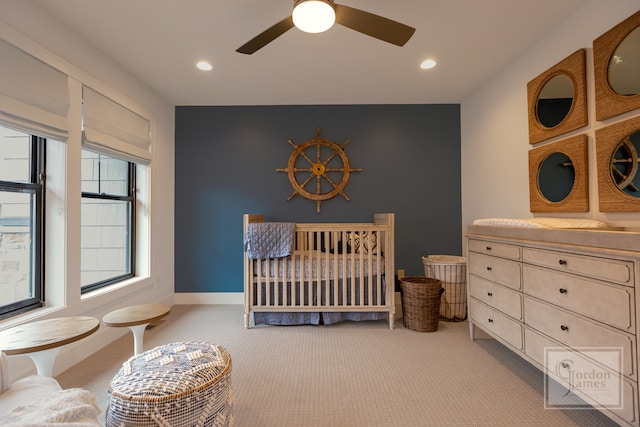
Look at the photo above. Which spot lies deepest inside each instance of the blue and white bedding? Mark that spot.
(320, 266)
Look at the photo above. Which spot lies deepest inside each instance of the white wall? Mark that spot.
(495, 138)
(33, 29)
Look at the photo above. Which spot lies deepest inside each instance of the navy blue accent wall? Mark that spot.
(226, 160)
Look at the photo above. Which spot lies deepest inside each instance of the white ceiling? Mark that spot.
(159, 42)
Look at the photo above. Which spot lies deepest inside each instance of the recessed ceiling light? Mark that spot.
(204, 66)
(428, 63)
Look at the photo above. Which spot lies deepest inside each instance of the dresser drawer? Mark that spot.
(577, 332)
(613, 305)
(535, 343)
(506, 300)
(498, 270)
(612, 270)
(495, 249)
(496, 323)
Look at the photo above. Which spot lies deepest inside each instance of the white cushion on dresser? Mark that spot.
(542, 222)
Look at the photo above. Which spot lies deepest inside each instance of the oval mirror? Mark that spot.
(624, 65)
(556, 177)
(555, 100)
(624, 165)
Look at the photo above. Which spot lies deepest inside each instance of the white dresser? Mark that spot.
(575, 290)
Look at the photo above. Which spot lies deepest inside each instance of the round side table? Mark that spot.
(136, 318)
(41, 340)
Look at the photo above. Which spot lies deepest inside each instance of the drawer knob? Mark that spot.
(564, 328)
(490, 320)
(489, 294)
(562, 262)
(488, 268)
(563, 291)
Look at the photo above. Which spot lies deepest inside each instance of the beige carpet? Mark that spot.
(352, 374)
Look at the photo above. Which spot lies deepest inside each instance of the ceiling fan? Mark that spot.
(307, 13)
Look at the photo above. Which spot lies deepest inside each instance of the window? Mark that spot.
(22, 169)
(108, 220)
(40, 108)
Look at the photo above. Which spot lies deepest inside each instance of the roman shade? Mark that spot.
(34, 97)
(110, 128)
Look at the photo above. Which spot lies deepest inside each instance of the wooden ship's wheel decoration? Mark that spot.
(624, 167)
(328, 168)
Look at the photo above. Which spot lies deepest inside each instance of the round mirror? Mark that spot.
(554, 101)
(556, 176)
(624, 165)
(624, 65)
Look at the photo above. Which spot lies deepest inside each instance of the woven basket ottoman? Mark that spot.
(178, 384)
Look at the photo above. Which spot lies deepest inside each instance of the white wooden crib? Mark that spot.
(333, 268)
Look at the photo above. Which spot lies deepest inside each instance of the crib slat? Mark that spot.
(378, 267)
(296, 264)
(282, 270)
(267, 281)
(361, 283)
(328, 285)
(368, 274)
(308, 275)
(259, 300)
(346, 285)
(276, 282)
(258, 281)
(339, 299)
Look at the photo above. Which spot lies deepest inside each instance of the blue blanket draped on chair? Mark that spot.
(270, 239)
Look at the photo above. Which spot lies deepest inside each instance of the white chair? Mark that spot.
(24, 390)
(38, 400)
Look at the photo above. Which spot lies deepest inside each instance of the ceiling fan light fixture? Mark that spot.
(314, 16)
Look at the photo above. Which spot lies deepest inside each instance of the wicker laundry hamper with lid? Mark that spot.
(178, 384)
(421, 303)
(452, 272)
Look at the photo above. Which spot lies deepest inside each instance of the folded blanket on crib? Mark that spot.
(270, 239)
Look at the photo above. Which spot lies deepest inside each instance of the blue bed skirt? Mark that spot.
(313, 318)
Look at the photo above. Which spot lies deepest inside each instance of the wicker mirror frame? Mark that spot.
(573, 67)
(611, 198)
(609, 103)
(578, 199)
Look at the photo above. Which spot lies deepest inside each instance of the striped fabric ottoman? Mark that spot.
(178, 384)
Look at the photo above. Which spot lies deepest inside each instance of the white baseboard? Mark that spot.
(209, 298)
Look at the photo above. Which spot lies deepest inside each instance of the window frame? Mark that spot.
(36, 186)
(131, 223)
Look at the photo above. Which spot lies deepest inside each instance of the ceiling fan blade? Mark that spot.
(266, 37)
(373, 25)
